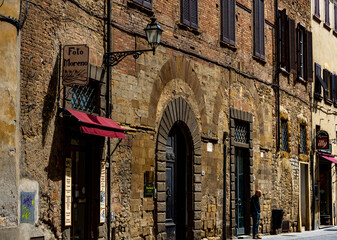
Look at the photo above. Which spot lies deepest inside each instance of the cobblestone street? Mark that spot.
(326, 234)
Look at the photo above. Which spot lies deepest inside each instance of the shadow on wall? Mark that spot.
(55, 165)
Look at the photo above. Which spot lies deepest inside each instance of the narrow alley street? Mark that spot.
(325, 233)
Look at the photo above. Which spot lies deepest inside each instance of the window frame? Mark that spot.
(317, 9)
(327, 12)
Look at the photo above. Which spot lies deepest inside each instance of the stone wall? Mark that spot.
(9, 117)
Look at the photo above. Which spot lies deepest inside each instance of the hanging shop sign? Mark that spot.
(67, 194)
(102, 193)
(322, 140)
(75, 65)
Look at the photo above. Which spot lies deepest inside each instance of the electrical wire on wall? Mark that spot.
(14, 21)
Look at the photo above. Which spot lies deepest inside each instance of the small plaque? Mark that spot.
(149, 190)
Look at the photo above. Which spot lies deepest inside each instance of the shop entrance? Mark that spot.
(179, 215)
(325, 192)
(85, 156)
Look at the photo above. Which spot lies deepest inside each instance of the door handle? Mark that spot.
(168, 192)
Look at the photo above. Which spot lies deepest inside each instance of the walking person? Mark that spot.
(255, 212)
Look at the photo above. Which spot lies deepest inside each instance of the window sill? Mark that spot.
(316, 18)
(327, 26)
(227, 45)
(188, 28)
(284, 71)
(328, 101)
(301, 80)
(147, 11)
(261, 60)
(334, 32)
(318, 96)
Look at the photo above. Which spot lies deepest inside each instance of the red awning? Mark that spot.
(328, 157)
(110, 128)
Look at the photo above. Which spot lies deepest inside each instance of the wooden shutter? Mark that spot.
(228, 21)
(333, 90)
(326, 8)
(309, 56)
(147, 3)
(317, 8)
(256, 29)
(325, 79)
(318, 80)
(292, 46)
(231, 21)
(185, 12)
(194, 13)
(334, 80)
(261, 22)
(259, 50)
(284, 43)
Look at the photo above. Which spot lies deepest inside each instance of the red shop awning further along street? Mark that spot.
(96, 125)
(328, 157)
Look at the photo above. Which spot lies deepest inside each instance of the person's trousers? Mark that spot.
(256, 218)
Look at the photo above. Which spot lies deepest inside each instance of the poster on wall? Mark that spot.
(67, 194)
(102, 194)
(27, 207)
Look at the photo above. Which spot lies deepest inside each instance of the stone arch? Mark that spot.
(177, 68)
(178, 111)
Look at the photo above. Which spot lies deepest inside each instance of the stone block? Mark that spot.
(197, 159)
(161, 206)
(161, 176)
(197, 215)
(197, 196)
(161, 186)
(161, 227)
(161, 217)
(197, 206)
(161, 196)
(197, 224)
(161, 166)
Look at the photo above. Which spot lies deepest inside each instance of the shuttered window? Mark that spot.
(295, 48)
(228, 21)
(303, 139)
(327, 16)
(259, 49)
(317, 8)
(318, 82)
(284, 135)
(284, 43)
(189, 13)
(145, 3)
(327, 78)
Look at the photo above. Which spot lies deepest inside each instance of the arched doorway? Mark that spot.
(178, 173)
(179, 215)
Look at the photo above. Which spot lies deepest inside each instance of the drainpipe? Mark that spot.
(107, 94)
(225, 190)
(277, 77)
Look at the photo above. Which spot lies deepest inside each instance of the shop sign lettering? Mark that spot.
(322, 140)
(67, 194)
(75, 65)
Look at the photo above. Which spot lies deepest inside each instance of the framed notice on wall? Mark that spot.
(102, 194)
(67, 194)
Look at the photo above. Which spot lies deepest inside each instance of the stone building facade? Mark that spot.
(323, 22)
(203, 120)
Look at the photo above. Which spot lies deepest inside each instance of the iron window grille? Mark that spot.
(84, 98)
(303, 139)
(284, 135)
(241, 132)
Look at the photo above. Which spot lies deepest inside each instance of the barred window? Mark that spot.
(284, 135)
(303, 139)
(84, 98)
(241, 132)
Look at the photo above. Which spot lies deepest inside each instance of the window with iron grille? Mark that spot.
(84, 98)
(303, 139)
(241, 132)
(284, 135)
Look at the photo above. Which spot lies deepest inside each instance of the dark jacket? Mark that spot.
(255, 205)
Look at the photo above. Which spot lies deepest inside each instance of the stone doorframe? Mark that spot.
(248, 118)
(178, 110)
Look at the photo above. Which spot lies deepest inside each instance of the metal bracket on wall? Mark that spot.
(16, 22)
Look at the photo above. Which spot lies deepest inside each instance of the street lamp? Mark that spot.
(153, 34)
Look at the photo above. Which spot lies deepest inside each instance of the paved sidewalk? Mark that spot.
(321, 234)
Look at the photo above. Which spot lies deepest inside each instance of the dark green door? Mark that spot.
(240, 192)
